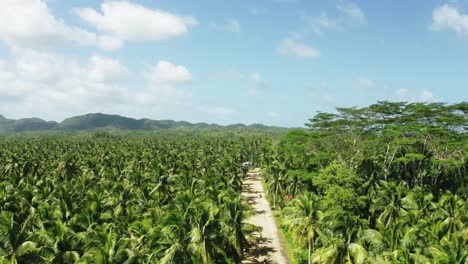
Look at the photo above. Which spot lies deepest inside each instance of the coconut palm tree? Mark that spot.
(15, 244)
(302, 218)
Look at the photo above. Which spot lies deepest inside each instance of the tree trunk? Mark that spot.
(308, 254)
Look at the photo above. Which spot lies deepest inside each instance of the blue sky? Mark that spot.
(275, 62)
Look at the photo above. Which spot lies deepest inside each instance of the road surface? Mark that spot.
(269, 248)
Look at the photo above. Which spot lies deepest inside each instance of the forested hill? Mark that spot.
(104, 121)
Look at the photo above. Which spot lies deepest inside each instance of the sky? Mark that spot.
(275, 62)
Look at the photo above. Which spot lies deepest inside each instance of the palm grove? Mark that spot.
(380, 184)
(96, 198)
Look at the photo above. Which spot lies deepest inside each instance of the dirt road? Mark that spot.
(269, 248)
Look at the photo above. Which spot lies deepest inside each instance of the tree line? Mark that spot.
(384, 183)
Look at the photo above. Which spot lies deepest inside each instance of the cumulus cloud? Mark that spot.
(39, 83)
(448, 17)
(109, 43)
(107, 70)
(293, 47)
(44, 82)
(165, 72)
(31, 23)
(11, 89)
(129, 21)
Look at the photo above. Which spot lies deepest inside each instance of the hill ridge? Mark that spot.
(94, 121)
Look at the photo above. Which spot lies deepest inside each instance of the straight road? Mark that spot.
(269, 248)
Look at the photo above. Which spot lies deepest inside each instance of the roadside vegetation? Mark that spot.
(379, 184)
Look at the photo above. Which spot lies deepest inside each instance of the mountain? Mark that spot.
(33, 124)
(25, 125)
(94, 121)
(114, 122)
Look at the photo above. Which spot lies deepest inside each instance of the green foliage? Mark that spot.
(107, 198)
(338, 185)
(336, 174)
(389, 182)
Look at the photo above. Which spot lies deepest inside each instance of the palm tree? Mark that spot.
(389, 202)
(302, 218)
(105, 247)
(449, 213)
(449, 251)
(235, 231)
(339, 228)
(66, 245)
(275, 181)
(15, 245)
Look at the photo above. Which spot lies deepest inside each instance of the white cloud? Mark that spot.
(323, 22)
(43, 67)
(109, 43)
(403, 94)
(426, 96)
(107, 70)
(259, 84)
(255, 76)
(128, 21)
(37, 83)
(233, 26)
(11, 89)
(5, 74)
(30, 23)
(290, 46)
(352, 10)
(46, 81)
(165, 72)
(449, 17)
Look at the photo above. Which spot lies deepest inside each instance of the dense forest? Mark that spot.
(379, 184)
(99, 198)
